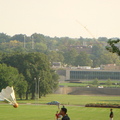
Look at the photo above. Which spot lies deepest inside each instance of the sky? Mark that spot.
(61, 18)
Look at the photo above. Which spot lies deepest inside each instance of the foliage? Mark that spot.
(95, 82)
(22, 88)
(38, 38)
(113, 47)
(55, 56)
(9, 76)
(102, 39)
(18, 37)
(33, 66)
(40, 47)
(97, 51)
(102, 105)
(4, 38)
(55, 78)
(108, 82)
(66, 50)
(109, 58)
(69, 56)
(83, 60)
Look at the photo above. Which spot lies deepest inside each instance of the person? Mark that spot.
(63, 112)
(58, 105)
(111, 114)
(57, 116)
(63, 106)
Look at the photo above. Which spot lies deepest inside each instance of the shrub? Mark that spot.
(102, 105)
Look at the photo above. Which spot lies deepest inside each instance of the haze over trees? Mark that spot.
(65, 50)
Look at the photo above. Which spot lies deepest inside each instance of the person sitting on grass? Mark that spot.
(63, 113)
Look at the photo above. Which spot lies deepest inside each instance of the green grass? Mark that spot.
(73, 84)
(80, 99)
(45, 112)
(75, 99)
(85, 83)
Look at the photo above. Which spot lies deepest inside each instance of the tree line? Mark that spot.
(60, 50)
(23, 70)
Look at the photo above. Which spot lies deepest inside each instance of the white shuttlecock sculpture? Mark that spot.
(8, 94)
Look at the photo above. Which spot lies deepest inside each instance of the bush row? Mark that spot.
(102, 105)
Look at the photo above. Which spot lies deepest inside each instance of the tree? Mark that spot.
(18, 37)
(97, 51)
(4, 38)
(22, 88)
(32, 65)
(109, 58)
(95, 82)
(54, 56)
(102, 39)
(83, 60)
(38, 38)
(51, 44)
(55, 78)
(10, 76)
(112, 46)
(108, 82)
(69, 56)
(40, 47)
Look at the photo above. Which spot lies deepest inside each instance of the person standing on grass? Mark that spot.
(58, 116)
(111, 114)
(63, 112)
(63, 106)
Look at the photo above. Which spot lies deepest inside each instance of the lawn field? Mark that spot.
(47, 112)
(75, 99)
(85, 83)
(36, 110)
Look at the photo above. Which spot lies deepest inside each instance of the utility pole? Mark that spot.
(24, 41)
(38, 87)
(32, 42)
(35, 88)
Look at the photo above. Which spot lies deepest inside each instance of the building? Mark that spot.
(56, 65)
(90, 74)
(110, 67)
(79, 48)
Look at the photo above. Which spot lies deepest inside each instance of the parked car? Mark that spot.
(53, 103)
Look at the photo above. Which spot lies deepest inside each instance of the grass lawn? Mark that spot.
(47, 112)
(90, 82)
(75, 99)
(73, 84)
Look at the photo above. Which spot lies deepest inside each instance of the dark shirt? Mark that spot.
(111, 114)
(65, 118)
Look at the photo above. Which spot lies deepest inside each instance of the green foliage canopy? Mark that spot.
(9, 76)
(112, 46)
(33, 66)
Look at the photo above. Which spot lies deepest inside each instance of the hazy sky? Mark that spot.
(58, 17)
